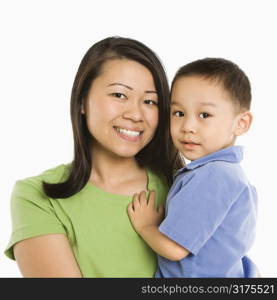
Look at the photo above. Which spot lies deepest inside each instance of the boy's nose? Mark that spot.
(189, 125)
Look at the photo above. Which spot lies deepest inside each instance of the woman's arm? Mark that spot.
(146, 219)
(46, 256)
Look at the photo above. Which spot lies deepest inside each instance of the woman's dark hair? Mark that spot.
(159, 155)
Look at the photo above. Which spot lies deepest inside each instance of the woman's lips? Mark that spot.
(126, 134)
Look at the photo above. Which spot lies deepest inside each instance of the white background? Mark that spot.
(42, 43)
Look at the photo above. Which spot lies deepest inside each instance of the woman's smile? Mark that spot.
(128, 134)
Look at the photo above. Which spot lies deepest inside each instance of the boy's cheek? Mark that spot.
(172, 126)
(173, 131)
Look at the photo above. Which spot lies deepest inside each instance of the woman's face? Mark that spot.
(122, 108)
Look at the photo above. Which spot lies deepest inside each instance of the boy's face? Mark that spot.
(203, 117)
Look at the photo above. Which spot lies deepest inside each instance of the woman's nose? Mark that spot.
(133, 111)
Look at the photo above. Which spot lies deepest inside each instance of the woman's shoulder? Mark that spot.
(32, 212)
(158, 183)
(155, 178)
(53, 175)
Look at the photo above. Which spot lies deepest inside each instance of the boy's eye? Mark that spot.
(118, 95)
(204, 115)
(151, 102)
(178, 114)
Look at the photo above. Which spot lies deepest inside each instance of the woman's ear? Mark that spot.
(243, 122)
(83, 107)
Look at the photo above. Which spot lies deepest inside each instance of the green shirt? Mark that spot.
(96, 224)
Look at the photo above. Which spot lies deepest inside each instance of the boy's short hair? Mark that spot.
(228, 74)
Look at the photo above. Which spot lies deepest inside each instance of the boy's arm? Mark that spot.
(146, 219)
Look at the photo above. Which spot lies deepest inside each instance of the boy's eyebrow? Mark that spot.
(130, 88)
(202, 103)
(208, 103)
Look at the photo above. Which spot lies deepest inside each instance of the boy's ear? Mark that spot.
(243, 123)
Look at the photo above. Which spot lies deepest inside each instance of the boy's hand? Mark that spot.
(143, 214)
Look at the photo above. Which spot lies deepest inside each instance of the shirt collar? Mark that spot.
(233, 154)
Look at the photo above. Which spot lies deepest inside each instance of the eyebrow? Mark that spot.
(130, 88)
(202, 103)
(208, 104)
(122, 84)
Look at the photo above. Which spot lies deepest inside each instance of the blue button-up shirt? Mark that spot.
(211, 211)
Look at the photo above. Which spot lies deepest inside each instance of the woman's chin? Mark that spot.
(126, 153)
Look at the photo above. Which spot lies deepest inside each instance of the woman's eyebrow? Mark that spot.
(122, 84)
(150, 92)
(130, 88)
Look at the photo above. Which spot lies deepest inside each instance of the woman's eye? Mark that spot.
(151, 102)
(118, 95)
(204, 115)
(178, 114)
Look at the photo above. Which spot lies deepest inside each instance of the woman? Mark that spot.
(71, 221)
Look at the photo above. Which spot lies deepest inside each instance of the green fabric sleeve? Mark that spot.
(32, 213)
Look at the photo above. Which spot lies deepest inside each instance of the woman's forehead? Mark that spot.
(126, 72)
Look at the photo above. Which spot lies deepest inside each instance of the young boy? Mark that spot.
(211, 207)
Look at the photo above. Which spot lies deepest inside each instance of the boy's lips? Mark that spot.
(188, 144)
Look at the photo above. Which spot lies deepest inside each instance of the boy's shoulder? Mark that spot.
(225, 173)
(223, 163)
(225, 169)
(220, 171)
(217, 178)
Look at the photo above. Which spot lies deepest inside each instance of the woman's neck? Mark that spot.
(109, 170)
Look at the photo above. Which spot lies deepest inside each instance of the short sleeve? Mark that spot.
(32, 214)
(196, 211)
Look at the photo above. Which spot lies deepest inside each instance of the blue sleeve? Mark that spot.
(199, 207)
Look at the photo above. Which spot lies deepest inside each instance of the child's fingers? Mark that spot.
(161, 210)
(136, 202)
(151, 200)
(130, 208)
(142, 198)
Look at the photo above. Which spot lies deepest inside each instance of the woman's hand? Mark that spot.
(144, 214)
